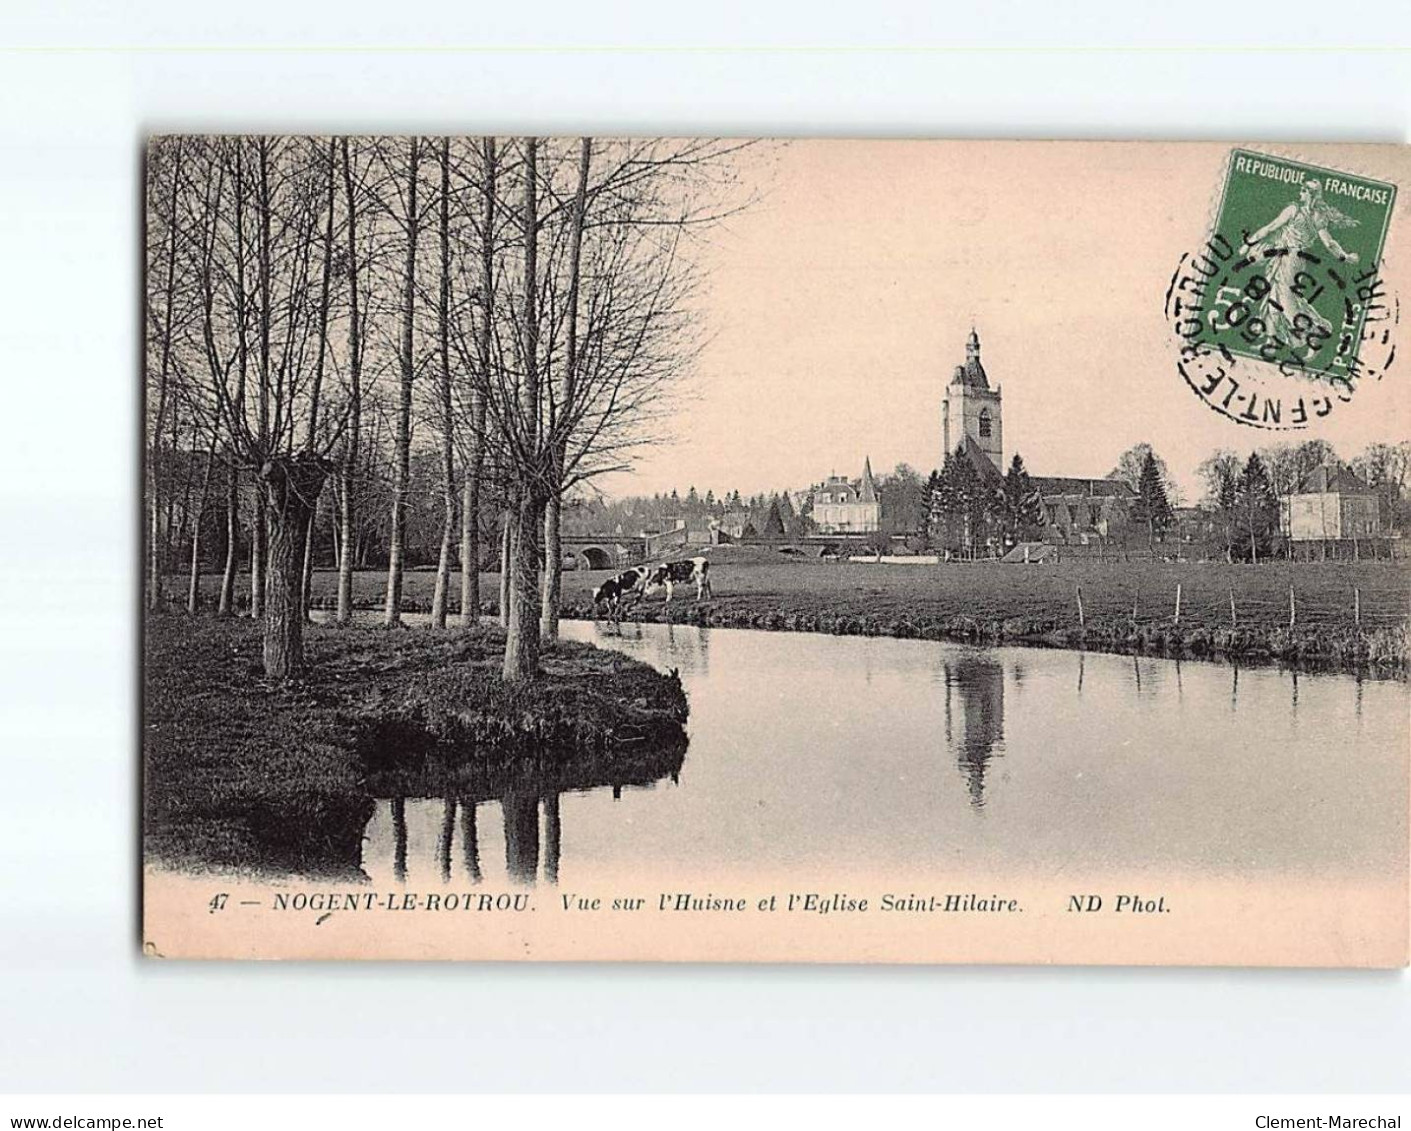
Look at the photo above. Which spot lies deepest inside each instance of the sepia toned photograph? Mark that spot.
(697, 549)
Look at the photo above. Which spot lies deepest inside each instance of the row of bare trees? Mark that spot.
(322, 310)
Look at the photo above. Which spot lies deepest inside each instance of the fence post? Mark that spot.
(1357, 606)
(1135, 595)
(1234, 621)
(1082, 622)
(1293, 609)
(1178, 604)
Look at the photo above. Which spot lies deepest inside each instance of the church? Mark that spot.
(1076, 511)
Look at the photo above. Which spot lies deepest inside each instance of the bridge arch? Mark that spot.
(594, 557)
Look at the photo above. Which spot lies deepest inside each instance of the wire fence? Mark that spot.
(1310, 606)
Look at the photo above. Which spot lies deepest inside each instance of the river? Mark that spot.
(856, 755)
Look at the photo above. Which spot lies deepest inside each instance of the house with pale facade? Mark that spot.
(1332, 504)
(847, 506)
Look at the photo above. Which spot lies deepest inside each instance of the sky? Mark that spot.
(837, 306)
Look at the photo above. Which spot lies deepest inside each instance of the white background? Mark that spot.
(80, 1009)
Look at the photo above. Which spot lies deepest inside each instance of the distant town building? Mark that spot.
(738, 525)
(1078, 511)
(1193, 525)
(1332, 504)
(678, 534)
(847, 506)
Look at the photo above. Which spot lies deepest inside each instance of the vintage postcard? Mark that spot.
(691, 549)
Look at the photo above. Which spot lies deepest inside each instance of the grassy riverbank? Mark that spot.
(1127, 606)
(244, 773)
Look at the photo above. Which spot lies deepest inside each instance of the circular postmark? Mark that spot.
(1279, 320)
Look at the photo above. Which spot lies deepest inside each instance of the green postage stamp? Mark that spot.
(1289, 278)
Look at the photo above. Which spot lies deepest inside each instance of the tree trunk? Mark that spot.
(259, 547)
(335, 543)
(292, 485)
(506, 566)
(470, 512)
(306, 572)
(177, 524)
(193, 590)
(448, 463)
(470, 551)
(553, 571)
(346, 546)
(443, 563)
(396, 550)
(259, 529)
(522, 632)
(232, 540)
(325, 301)
(155, 585)
(347, 540)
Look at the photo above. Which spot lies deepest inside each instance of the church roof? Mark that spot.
(1093, 488)
(972, 373)
(980, 461)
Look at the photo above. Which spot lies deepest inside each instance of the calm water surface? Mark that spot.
(853, 753)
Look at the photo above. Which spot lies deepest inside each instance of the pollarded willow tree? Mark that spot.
(259, 239)
(591, 332)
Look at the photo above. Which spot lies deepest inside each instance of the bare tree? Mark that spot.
(443, 342)
(475, 462)
(411, 219)
(324, 307)
(605, 309)
(287, 314)
(167, 298)
(523, 445)
(553, 544)
(347, 501)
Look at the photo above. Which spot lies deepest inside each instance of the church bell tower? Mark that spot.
(971, 409)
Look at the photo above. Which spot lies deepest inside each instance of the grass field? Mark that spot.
(761, 588)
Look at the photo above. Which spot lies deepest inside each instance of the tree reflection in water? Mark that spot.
(522, 791)
(448, 832)
(399, 834)
(521, 836)
(470, 841)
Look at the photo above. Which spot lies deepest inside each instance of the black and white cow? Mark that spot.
(614, 590)
(669, 574)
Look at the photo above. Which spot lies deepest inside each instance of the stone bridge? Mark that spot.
(603, 551)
